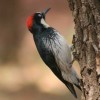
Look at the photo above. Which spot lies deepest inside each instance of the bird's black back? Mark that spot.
(46, 55)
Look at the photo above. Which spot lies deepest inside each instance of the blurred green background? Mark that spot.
(23, 75)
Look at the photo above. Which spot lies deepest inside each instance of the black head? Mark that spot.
(37, 19)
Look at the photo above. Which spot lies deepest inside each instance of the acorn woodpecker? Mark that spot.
(54, 50)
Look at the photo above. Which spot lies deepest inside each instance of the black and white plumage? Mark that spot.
(54, 50)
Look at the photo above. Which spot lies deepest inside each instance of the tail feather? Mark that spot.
(78, 87)
(71, 88)
(76, 79)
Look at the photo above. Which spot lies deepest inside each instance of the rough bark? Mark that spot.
(86, 42)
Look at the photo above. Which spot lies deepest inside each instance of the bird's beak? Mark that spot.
(46, 11)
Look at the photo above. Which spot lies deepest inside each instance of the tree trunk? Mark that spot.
(86, 42)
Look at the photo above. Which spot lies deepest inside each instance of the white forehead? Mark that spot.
(39, 13)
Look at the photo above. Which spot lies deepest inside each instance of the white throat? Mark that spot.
(44, 23)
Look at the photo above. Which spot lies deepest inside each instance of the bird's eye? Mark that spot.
(39, 15)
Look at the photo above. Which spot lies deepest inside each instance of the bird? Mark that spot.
(53, 49)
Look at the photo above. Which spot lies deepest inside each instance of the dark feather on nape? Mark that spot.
(71, 88)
